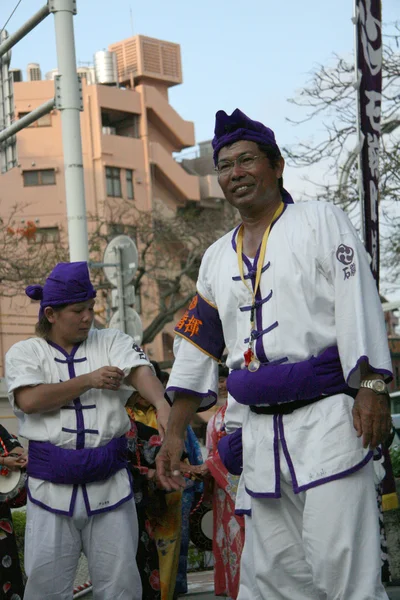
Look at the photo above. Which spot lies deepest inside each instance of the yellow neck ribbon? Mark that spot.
(260, 262)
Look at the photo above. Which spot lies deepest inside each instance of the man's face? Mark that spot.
(248, 187)
(72, 323)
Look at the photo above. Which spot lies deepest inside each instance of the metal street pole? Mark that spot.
(68, 102)
(120, 287)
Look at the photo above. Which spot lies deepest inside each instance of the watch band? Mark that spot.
(376, 385)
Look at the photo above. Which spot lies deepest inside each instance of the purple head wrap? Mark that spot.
(68, 283)
(238, 126)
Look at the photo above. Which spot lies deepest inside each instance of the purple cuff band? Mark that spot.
(275, 384)
(230, 450)
(76, 467)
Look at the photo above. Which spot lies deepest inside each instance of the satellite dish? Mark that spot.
(133, 324)
(129, 259)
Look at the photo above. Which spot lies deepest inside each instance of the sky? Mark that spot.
(252, 55)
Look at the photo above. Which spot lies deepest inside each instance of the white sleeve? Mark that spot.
(359, 319)
(125, 354)
(193, 372)
(23, 368)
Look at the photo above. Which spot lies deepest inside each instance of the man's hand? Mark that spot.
(168, 463)
(371, 417)
(163, 412)
(106, 378)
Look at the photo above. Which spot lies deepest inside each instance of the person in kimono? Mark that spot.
(290, 296)
(68, 387)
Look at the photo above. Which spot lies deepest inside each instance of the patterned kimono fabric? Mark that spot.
(11, 579)
(165, 522)
(228, 539)
(190, 496)
(143, 445)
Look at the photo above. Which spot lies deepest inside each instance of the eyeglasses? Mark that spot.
(245, 162)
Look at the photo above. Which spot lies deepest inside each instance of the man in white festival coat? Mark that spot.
(68, 388)
(300, 317)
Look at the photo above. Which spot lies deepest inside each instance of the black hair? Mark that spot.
(273, 154)
(43, 326)
(223, 370)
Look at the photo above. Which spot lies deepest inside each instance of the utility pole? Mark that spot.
(69, 103)
(68, 100)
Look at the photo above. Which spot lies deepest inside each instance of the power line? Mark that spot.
(9, 18)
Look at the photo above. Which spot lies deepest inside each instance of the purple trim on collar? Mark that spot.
(196, 394)
(65, 513)
(64, 352)
(108, 508)
(387, 374)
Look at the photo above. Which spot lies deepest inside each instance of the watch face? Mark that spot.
(379, 386)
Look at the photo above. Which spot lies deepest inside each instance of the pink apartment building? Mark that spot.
(129, 133)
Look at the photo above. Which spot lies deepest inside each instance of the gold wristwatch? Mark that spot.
(376, 385)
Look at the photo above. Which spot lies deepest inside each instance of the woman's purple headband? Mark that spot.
(68, 283)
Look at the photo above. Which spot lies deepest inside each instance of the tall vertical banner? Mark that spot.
(368, 23)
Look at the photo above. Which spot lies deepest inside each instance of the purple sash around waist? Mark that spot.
(68, 466)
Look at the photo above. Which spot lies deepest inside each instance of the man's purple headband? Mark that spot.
(68, 283)
(238, 126)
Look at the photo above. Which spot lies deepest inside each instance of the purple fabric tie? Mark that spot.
(68, 466)
(230, 450)
(274, 384)
(68, 283)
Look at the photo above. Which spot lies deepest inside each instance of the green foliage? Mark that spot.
(198, 560)
(19, 521)
(395, 456)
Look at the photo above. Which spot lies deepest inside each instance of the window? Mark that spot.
(116, 122)
(130, 192)
(113, 179)
(46, 235)
(39, 177)
(44, 121)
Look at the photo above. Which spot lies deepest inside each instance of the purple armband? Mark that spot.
(201, 326)
(274, 384)
(230, 450)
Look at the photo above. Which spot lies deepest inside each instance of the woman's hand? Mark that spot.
(17, 459)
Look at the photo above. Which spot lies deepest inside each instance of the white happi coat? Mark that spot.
(95, 418)
(316, 291)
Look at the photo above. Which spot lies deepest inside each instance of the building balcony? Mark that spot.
(125, 152)
(167, 120)
(182, 185)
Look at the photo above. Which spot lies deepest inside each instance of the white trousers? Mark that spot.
(322, 544)
(53, 544)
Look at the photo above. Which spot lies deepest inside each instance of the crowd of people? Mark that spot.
(290, 337)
